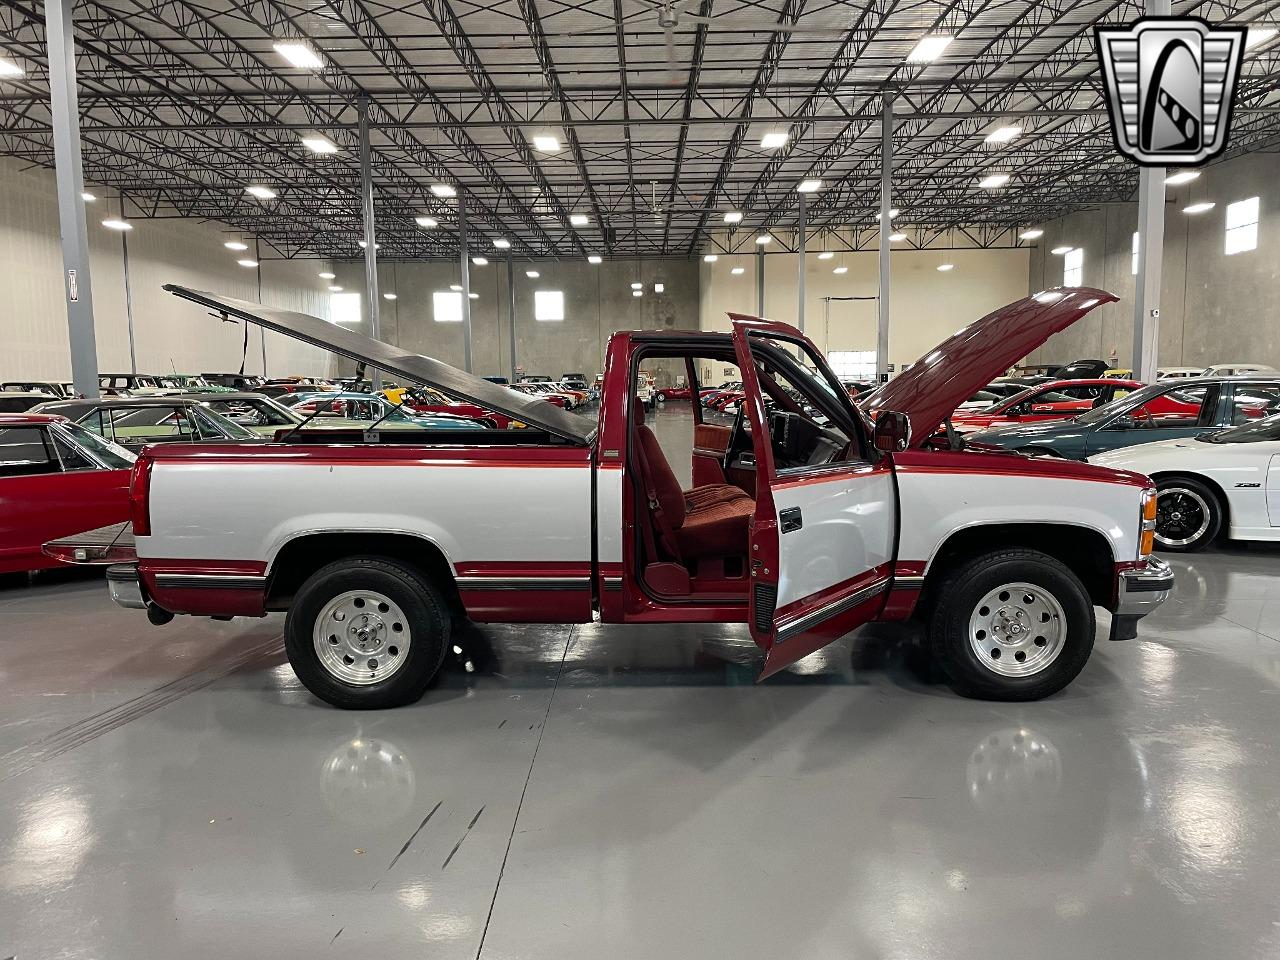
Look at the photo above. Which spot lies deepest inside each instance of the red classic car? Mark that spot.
(56, 479)
(429, 400)
(1055, 400)
(663, 394)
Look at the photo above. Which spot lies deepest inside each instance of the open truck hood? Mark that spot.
(930, 389)
(412, 367)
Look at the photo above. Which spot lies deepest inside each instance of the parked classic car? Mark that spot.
(55, 479)
(1055, 400)
(253, 411)
(363, 409)
(13, 401)
(134, 422)
(1166, 409)
(373, 549)
(1178, 373)
(235, 381)
(51, 388)
(1235, 369)
(1230, 477)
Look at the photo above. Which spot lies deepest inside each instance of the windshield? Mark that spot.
(1255, 432)
(115, 458)
(213, 424)
(252, 413)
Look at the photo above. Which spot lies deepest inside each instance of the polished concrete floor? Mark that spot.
(600, 792)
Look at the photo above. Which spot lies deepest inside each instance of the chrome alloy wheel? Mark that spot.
(361, 637)
(1017, 630)
(1182, 516)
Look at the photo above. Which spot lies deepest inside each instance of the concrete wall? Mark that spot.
(169, 333)
(597, 301)
(1214, 308)
(925, 306)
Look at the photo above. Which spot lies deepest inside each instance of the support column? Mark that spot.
(466, 283)
(800, 238)
(128, 301)
(759, 282)
(511, 314)
(1146, 300)
(370, 239)
(65, 109)
(262, 331)
(886, 228)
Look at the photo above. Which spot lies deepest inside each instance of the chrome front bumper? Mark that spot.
(1139, 592)
(126, 591)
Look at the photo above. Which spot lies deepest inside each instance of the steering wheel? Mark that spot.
(735, 434)
(1143, 413)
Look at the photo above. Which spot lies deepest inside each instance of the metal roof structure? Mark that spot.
(658, 110)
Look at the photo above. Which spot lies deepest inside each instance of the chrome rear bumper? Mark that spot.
(126, 591)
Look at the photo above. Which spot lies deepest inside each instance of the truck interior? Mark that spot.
(694, 543)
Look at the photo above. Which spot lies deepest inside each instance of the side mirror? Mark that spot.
(892, 432)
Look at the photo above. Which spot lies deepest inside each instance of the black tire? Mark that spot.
(661, 398)
(424, 608)
(957, 600)
(1176, 498)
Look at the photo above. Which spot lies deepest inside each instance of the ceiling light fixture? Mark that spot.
(637, 286)
(318, 143)
(532, 274)
(388, 296)
(474, 296)
(774, 139)
(88, 197)
(763, 239)
(594, 259)
(300, 54)
(1002, 134)
(826, 255)
(443, 190)
(897, 237)
(426, 222)
(1258, 35)
(809, 186)
(637, 293)
(546, 143)
(1201, 207)
(262, 193)
(326, 275)
(733, 216)
(501, 244)
(116, 223)
(247, 263)
(738, 271)
(1061, 251)
(710, 257)
(455, 287)
(10, 69)
(893, 212)
(1031, 234)
(841, 269)
(578, 220)
(993, 181)
(364, 245)
(237, 245)
(659, 288)
(945, 267)
(333, 289)
(480, 261)
(929, 48)
(1182, 176)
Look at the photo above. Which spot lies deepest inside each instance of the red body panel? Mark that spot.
(500, 420)
(998, 415)
(34, 510)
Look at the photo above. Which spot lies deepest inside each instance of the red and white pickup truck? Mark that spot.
(805, 519)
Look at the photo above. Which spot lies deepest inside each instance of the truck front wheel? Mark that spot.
(367, 633)
(1012, 624)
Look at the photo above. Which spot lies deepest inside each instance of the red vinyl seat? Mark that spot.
(710, 520)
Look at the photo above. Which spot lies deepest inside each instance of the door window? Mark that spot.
(1174, 409)
(71, 456)
(26, 452)
(146, 424)
(1253, 401)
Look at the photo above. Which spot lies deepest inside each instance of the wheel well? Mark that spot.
(1086, 552)
(301, 557)
(1223, 504)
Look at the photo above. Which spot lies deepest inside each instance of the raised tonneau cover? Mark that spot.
(413, 367)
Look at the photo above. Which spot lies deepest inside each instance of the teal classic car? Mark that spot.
(1164, 410)
(349, 409)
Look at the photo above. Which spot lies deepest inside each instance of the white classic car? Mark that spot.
(1231, 477)
(806, 519)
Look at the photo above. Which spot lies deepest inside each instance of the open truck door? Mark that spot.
(825, 524)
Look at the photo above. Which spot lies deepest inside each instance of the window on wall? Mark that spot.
(1073, 268)
(1134, 267)
(1242, 226)
(344, 307)
(853, 364)
(548, 305)
(447, 306)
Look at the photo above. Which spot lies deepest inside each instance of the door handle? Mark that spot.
(790, 519)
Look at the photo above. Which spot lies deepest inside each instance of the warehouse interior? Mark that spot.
(507, 189)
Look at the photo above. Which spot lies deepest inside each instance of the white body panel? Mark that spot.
(609, 507)
(848, 530)
(1243, 471)
(936, 505)
(248, 511)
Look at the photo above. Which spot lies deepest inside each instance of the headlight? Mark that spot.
(1147, 523)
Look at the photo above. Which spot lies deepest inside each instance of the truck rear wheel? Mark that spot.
(1012, 624)
(367, 633)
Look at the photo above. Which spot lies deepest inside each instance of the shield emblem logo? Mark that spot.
(1170, 82)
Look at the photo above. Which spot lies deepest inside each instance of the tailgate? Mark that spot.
(110, 544)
